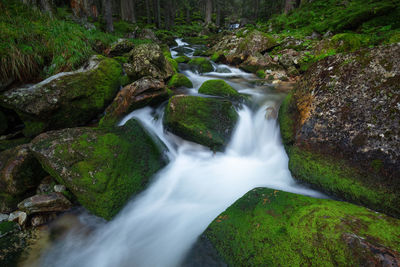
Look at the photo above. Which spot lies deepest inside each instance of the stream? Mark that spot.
(160, 225)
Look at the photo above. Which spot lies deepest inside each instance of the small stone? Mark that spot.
(59, 188)
(45, 203)
(41, 219)
(18, 216)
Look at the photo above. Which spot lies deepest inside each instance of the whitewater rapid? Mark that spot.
(160, 225)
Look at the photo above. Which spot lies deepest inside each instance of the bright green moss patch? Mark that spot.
(286, 122)
(105, 167)
(182, 59)
(272, 228)
(207, 121)
(261, 74)
(337, 177)
(174, 64)
(201, 64)
(219, 88)
(179, 80)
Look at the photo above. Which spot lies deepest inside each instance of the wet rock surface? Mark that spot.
(20, 173)
(145, 91)
(345, 112)
(102, 167)
(52, 202)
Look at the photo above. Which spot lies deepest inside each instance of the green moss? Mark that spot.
(7, 144)
(121, 59)
(207, 121)
(333, 174)
(179, 80)
(219, 88)
(271, 228)
(286, 123)
(182, 59)
(106, 166)
(174, 64)
(217, 56)
(201, 64)
(84, 96)
(6, 227)
(339, 178)
(350, 42)
(261, 74)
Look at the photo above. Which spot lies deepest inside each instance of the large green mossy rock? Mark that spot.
(340, 128)
(201, 64)
(219, 88)
(182, 59)
(272, 228)
(102, 167)
(207, 121)
(179, 80)
(66, 100)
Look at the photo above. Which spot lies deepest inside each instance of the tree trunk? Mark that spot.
(128, 10)
(289, 5)
(148, 11)
(218, 22)
(157, 16)
(108, 15)
(208, 11)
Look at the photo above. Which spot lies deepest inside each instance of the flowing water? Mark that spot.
(161, 224)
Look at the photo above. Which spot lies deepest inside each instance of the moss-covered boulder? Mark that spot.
(201, 64)
(20, 173)
(219, 88)
(179, 80)
(148, 60)
(340, 127)
(272, 228)
(102, 167)
(67, 99)
(145, 91)
(207, 121)
(237, 47)
(11, 143)
(182, 59)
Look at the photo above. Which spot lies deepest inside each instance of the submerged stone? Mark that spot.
(201, 64)
(102, 167)
(267, 227)
(207, 121)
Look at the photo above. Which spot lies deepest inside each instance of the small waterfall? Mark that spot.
(161, 224)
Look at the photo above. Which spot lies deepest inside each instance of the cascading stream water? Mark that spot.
(161, 224)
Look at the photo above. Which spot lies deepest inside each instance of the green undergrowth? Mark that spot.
(267, 227)
(34, 45)
(373, 16)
